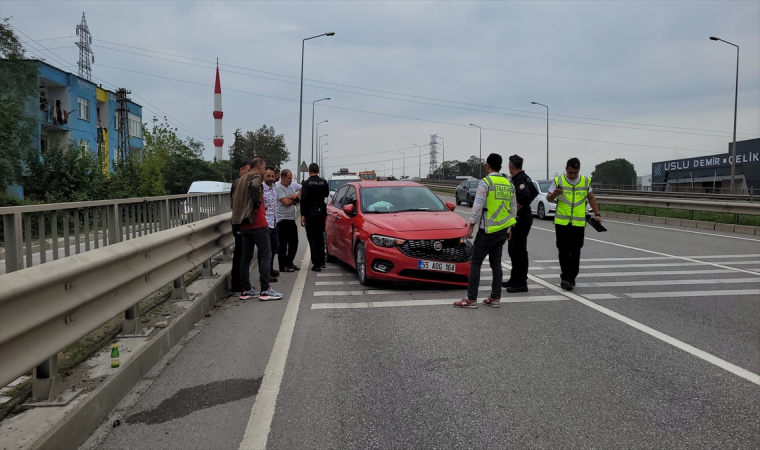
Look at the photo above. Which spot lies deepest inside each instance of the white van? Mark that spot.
(208, 187)
(337, 181)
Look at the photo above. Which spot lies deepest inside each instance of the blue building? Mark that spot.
(73, 109)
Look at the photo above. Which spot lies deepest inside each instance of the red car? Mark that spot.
(397, 231)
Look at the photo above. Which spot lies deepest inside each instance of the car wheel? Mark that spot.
(360, 258)
(456, 198)
(328, 257)
(541, 211)
(470, 201)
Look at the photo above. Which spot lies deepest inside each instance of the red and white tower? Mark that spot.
(218, 138)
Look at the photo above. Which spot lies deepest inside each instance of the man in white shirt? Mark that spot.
(270, 204)
(286, 222)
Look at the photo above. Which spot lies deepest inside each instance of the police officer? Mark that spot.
(525, 192)
(313, 213)
(571, 191)
(494, 210)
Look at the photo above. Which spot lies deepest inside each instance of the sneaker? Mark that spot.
(512, 289)
(270, 294)
(316, 269)
(566, 285)
(491, 302)
(249, 294)
(274, 273)
(466, 303)
(273, 279)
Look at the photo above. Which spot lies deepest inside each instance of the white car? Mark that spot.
(542, 207)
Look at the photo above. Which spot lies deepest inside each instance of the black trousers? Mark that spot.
(491, 245)
(258, 238)
(274, 245)
(569, 244)
(315, 233)
(288, 234)
(518, 250)
(235, 282)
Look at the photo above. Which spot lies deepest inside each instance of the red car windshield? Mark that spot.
(399, 199)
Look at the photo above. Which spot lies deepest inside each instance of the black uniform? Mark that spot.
(314, 210)
(525, 191)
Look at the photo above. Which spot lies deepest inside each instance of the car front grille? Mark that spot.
(452, 250)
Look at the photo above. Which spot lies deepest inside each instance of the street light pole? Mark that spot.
(317, 133)
(547, 136)
(736, 103)
(391, 166)
(322, 154)
(480, 161)
(419, 161)
(312, 125)
(300, 103)
(319, 145)
(383, 168)
(403, 170)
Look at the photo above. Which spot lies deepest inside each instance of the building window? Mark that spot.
(84, 109)
(84, 144)
(135, 126)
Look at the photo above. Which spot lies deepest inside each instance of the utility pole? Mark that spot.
(122, 113)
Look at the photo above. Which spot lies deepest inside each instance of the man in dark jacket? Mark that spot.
(243, 169)
(525, 191)
(313, 214)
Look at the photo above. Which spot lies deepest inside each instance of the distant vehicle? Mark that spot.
(466, 192)
(338, 180)
(416, 179)
(542, 207)
(369, 175)
(203, 187)
(382, 178)
(398, 231)
(467, 177)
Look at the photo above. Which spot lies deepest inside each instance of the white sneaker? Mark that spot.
(250, 293)
(270, 294)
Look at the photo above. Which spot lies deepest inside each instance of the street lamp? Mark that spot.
(391, 166)
(322, 154)
(480, 161)
(300, 103)
(736, 101)
(403, 170)
(319, 145)
(419, 172)
(312, 125)
(547, 136)
(312, 150)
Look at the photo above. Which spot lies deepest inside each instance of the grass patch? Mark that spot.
(684, 214)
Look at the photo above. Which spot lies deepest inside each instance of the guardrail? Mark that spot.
(88, 226)
(45, 308)
(744, 208)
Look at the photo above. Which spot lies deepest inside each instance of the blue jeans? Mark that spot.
(491, 245)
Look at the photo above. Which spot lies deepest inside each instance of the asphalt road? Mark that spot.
(658, 348)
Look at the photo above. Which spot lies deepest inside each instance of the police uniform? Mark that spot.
(525, 191)
(314, 210)
(570, 223)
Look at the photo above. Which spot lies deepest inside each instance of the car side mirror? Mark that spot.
(349, 210)
(451, 206)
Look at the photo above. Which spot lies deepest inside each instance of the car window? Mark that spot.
(544, 186)
(350, 198)
(400, 199)
(474, 184)
(339, 197)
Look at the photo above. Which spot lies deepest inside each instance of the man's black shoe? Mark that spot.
(274, 273)
(316, 269)
(566, 285)
(507, 283)
(514, 289)
(572, 283)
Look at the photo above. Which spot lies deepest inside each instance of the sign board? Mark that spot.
(303, 167)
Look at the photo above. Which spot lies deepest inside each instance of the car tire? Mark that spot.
(360, 259)
(470, 201)
(328, 257)
(456, 199)
(541, 211)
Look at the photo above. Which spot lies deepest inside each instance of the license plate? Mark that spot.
(435, 265)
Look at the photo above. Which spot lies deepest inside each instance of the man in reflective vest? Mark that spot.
(573, 194)
(494, 209)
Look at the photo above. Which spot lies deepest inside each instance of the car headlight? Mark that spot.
(385, 241)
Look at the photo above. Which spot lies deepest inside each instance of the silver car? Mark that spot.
(466, 191)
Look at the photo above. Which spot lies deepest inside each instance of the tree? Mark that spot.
(66, 174)
(18, 87)
(263, 143)
(615, 172)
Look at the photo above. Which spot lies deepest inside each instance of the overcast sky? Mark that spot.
(603, 68)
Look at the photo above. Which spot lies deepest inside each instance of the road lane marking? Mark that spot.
(672, 294)
(436, 302)
(644, 274)
(685, 258)
(683, 231)
(670, 282)
(723, 364)
(260, 420)
(652, 258)
(677, 264)
(397, 291)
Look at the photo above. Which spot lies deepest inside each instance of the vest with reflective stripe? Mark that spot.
(571, 205)
(496, 210)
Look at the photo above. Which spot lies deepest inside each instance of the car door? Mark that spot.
(537, 200)
(459, 190)
(332, 217)
(344, 227)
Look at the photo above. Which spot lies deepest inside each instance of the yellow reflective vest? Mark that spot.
(571, 205)
(497, 214)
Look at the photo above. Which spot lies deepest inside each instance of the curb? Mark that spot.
(77, 426)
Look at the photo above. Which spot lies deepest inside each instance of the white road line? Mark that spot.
(681, 230)
(675, 264)
(685, 258)
(396, 291)
(670, 282)
(653, 258)
(723, 364)
(734, 292)
(260, 420)
(437, 302)
(651, 273)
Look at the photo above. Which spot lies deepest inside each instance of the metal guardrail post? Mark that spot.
(114, 223)
(178, 291)
(14, 259)
(206, 272)
(131, 323)
(226, 255)
(163, 215)
(47, 383)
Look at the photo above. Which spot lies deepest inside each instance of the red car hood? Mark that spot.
(416, 221)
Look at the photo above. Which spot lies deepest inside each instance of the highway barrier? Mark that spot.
(47, 307)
